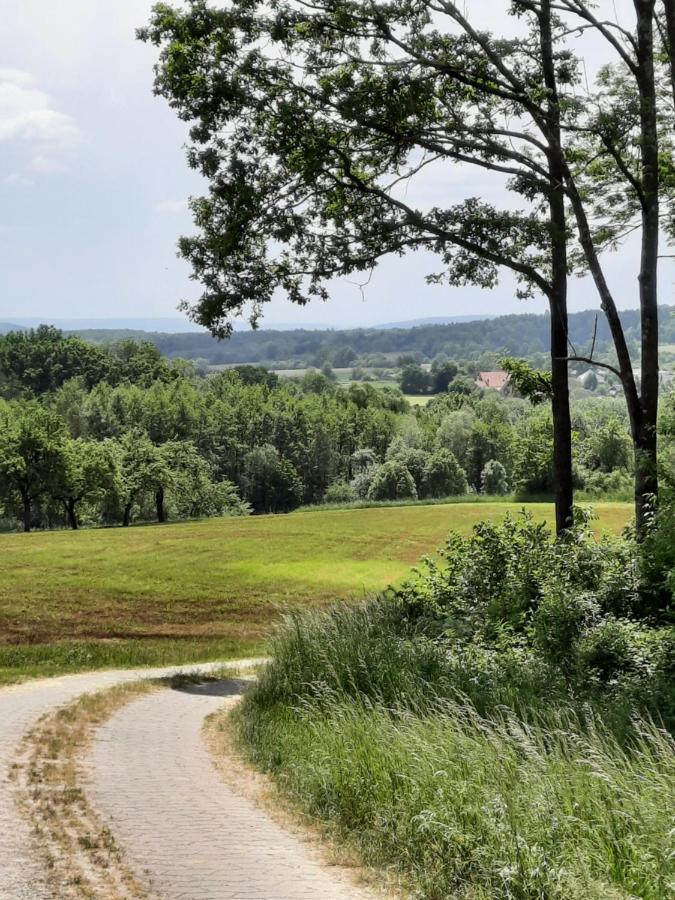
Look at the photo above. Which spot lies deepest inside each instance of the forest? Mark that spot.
(527, 335)
(102, 435)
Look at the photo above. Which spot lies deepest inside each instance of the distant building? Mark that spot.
(497, 381)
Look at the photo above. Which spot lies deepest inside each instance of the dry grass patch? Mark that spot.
(81, 855)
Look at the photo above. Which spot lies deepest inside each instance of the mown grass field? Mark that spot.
(191, 591)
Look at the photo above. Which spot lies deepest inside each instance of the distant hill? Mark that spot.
(433, 320)
(525, 335)
(175, 325)
(8, 326)
(166, 325)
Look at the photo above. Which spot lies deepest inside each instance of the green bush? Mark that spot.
(505, 617)
(493, 479)
(658, 565)
(443, 476)
(392, 481)
(340, 492)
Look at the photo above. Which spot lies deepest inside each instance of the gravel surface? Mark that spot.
(21, 876)
(154, 782)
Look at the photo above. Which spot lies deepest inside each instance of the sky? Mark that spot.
(94, 186)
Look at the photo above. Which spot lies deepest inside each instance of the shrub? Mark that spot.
(414, 459)
(392, 481)
(362, 481)
(339, 492)
(657, 562)
(608, 485)
(443, 476)
(493, 478)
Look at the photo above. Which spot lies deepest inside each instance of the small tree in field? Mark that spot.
(142, 471)
(87, 473)
(443, 476)
(493, 478)
(414, 380)
(392, 481)
(31, 454)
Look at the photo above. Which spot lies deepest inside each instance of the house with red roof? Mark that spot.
(497, 381)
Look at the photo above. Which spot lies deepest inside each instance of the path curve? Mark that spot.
(21, 875)
(153, 781)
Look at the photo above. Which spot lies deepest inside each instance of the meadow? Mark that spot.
(152, 595)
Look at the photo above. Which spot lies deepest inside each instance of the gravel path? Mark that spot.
(20, 706)
(153, 780)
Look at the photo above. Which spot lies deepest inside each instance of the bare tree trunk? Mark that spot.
(560, 403)
(26, 502)
(646, 475)
(126, 516)
(159, 503)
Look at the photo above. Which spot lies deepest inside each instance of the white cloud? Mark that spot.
(29, 121)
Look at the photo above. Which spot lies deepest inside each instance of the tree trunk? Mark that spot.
(159, 503)
(646, 475)
(562, 423)
(69, 506)
(26, 502)
(646, 478)
(126, 516)
(560, 401)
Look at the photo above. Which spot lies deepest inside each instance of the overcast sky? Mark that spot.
(93, 185)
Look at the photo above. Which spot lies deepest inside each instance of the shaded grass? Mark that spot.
(195, 591)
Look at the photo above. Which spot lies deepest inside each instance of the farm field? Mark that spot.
(209, 589)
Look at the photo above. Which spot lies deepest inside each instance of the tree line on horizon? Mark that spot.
(522, 334)
(86, 440)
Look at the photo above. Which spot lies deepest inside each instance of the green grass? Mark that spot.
(19, 661)
(374, 730)
(464, 807)
(192, 591)
(417, 400)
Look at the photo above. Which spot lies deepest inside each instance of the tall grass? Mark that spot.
(367, 726)
(462, 806)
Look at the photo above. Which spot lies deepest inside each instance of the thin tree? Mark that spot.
(618, 170)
